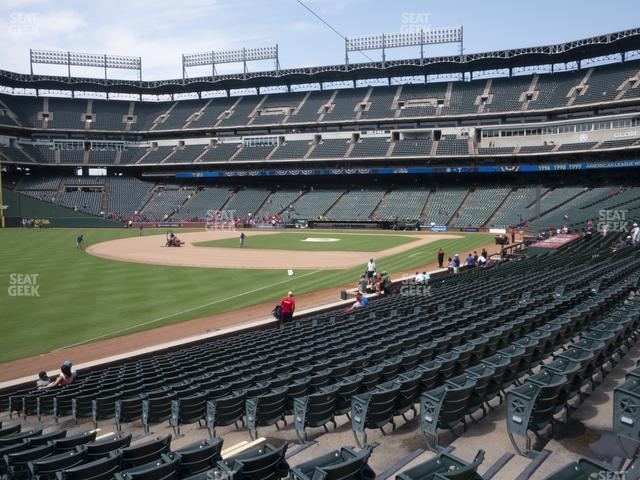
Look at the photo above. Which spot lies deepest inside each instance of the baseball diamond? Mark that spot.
(310, 251)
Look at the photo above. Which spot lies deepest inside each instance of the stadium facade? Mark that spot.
(490, 125)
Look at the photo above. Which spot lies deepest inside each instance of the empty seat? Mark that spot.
(200, 456)
(445, 407)
(145, 452)
(315, 410)
(46, 438)
(156, 410)
(225, 411)
(6, 431)
(626, 414)
(71, 442)
(165, 468)
(531, 407)
(373, 410)
(264, 410)
(347, 388)
(264, 463)
(15, 465)
(19, 437)
(188, 410)
(343, 464)
(103, 448)
(104, 407)
(584, 469)
(445, 466)
(101, 469)
(46, 468)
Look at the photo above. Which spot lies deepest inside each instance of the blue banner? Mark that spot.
(557, 167)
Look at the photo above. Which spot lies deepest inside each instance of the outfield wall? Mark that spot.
(49, 214)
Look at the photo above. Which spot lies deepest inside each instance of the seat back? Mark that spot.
(101, 469)
(200, 456)
(103, 448)
(47, 467)
(349, 465)
(70, 443)
(267, 462)
(166, 468)
(145, 452)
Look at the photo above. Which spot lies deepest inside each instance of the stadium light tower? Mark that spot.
(419, 38)
(242, 55)
(76, 59)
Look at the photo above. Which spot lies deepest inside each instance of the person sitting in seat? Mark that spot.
(43, 379)
(66, 377)
(361, 302)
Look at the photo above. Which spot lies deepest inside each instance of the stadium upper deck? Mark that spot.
(555, 113)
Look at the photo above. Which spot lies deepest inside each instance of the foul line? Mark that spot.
(183, 311)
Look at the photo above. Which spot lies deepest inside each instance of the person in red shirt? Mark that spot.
(288, 306)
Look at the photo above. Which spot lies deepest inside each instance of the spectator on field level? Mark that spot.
(66, 377)
(484, 253)
(589, 232)
(440, 257)
(426, 278)
(288, 306)
(43, 379)
(418, 279)
(450, 265)
(371, 269)
(622, 243)
(482, 261)
(385, 284)
(362, 283)
(475, 257)
(456, 263)
(470, 262)
(361, 301)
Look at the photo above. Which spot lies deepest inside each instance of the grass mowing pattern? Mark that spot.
(352, 242)
(83, 297)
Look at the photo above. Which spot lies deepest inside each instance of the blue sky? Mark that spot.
(160, 30)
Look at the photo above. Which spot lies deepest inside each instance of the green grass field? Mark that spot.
(84, 298)
(349, 242)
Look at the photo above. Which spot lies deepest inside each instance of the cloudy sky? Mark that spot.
(161, 30)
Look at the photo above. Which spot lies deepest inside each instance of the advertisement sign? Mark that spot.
(168, 225)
